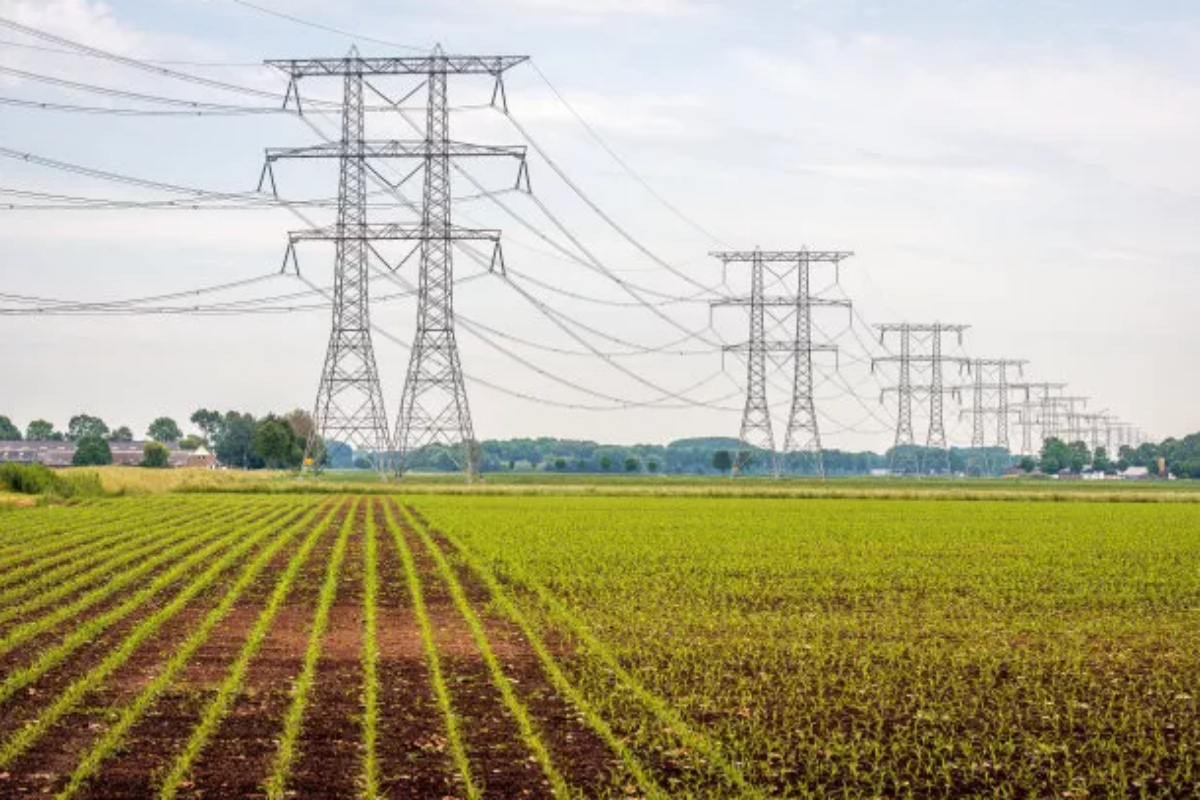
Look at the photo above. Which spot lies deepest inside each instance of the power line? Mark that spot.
(360, 37)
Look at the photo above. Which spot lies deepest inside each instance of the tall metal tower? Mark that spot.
(997, 370)
(349, 408)
(433, 408)
(803, 436)
(930, 334)
(1067, 419)
(1031, 411)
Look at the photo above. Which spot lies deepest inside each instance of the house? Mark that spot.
(126, 454)
(201, 458)
(52, 454)
(1136, 474)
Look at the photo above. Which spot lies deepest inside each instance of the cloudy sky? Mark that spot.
(1026, 167)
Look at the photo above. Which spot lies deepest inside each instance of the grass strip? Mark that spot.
(453, 735)
(20, 741)
(370, 658)
(293, 725)
(557, 677)
(22, 633)
(110, 742)
(529, 732)
(67, 579)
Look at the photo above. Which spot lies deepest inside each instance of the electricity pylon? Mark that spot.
(803, 435)
(998, 387)
(349, 408)
(930, 334)
(434, 408)
(1031, 410)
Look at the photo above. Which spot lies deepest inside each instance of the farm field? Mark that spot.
(433, 645)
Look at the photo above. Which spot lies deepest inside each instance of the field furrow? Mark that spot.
(584, 748)
(502, 760)
(159, 750)
(125, 668)
(330, 750)
(236, 758)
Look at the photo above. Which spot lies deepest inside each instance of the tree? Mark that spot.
(233, 444)
(192, 442)
(92, 451)
(605, 463)
(632, 464)
(164, 429)
(301, 423)
(652, 465)
(722, 461)
(209, 422)
(42, 431)
(1100, 461)
(274, 441)
(1055, 456)
(83, 426)
(8, 431)
(121, 434)
(560, 464)
(1027, 464)
(156, 455)
(1079, 456)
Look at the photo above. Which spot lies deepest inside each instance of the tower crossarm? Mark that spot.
(389, 231)
(398, 148)
(813, 302)
(778, 347)
(410, 65)
(784, 256)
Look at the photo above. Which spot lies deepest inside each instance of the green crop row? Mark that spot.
(85, 569)
(69, 698)
(293, 725)
(108, 744)
(26, 631)
(864, 648)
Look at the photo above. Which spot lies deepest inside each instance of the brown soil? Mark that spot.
(155, 741)
(413, 754)
(47, 764)
(238, 759)
(330, 753)
(582, 757)
(500, 761)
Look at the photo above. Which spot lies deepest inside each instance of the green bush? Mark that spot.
(28, 478)
(39, 480)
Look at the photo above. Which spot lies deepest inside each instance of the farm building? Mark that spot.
(130, 454)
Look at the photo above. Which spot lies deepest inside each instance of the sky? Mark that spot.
(1025, 167)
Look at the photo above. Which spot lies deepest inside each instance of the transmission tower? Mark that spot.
(1031, 410)
(997, 370)
(1066, 417)
(349, 407)
(433, 408)
(791, 309)
(930, 334)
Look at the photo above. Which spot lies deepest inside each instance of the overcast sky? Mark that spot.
(1027, 167)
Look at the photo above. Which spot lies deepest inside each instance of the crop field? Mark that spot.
(447, 646)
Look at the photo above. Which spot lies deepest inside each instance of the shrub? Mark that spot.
(155, 454)
(39, 480)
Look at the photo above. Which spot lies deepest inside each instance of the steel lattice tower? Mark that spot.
(349, 407)
(433, 408)
(803, 436)
(1031, 411)
(980, 387)
(936, 390)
